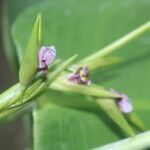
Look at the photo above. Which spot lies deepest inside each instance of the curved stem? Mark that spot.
(117, 44)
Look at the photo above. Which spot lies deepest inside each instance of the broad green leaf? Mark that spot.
(110, 108)
(29, 63)
(139, 142)
(84, 27)
(79, 126)
(67, 114)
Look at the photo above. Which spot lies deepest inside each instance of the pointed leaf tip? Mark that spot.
(136, 121)
(110, 108)
(39, 16)
(29, 64)
(39, 22)
(73, 57)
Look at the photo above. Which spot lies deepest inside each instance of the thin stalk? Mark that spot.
(141, 141)
(118, 43)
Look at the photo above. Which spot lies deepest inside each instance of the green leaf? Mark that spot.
(136, 121)
(97, 63)
(84, 27)
(111, 109)
(29, 64)
(80, 127)
(11, 97)
(39, 87)
(139, 142)
(92, 90)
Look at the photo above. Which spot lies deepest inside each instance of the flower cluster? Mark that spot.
(81, 76)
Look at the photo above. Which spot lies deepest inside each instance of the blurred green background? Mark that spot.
(82, 27)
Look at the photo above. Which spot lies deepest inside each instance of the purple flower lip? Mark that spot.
(46, 56)
(124, 102)
(81, 76)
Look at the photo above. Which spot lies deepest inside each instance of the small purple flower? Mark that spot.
(84, 71)
(124, 102)
(81, 76)
(46, 56)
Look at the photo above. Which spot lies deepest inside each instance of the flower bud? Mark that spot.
(46, 56)
(124, 102)
(81, 76)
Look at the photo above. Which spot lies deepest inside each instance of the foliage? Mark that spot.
(66, 117)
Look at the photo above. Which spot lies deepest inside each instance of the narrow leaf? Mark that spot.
(136, 121)
(111, 109)
(10, 96)
(39, 87)
(93, 90)
(97, 63)
(30, 61)
(40, 30)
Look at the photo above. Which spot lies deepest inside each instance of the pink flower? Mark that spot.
(124, 102)
(46, 56)
(81, 76)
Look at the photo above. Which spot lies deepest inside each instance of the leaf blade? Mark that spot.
(29, 64)
(111, 109)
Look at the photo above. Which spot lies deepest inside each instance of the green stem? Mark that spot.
(118, 44)
(12, 96)
(139, 142)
